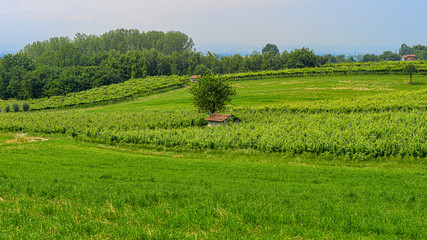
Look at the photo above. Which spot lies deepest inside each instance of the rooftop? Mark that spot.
(217, 117)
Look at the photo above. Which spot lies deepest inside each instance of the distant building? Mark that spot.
(217, 119)
(193, 79)
(410, 57)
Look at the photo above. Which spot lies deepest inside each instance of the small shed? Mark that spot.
(193, 79)
(217, 119)
(410, 57)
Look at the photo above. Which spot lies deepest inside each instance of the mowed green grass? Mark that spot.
(270, 92)
(5, 137)
(63, 188)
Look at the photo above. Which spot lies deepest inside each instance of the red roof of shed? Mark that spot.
(217, 117)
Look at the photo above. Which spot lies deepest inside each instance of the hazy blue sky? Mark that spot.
(216, 24)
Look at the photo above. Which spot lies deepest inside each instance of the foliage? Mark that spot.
(381, 125)
(420, 51)
(25, 106)
(328, 58)
(405, 50)
(121, 40)
(62, 188)
(410, 69)
(201, 69)
(270, 48)
(211, 93)
(137, 87)
(370, 58)
(106, 189)
(62, 65)
(109, 94)
(15, 107)
(352, 68)
(7, 108)
(301, 58)
(13, 68)
(390, 56)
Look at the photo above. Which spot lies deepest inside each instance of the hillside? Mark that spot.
(326, 110)
(313, 157)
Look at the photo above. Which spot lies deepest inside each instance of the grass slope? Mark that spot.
(68, 189)
(276, 91)
(63, 188)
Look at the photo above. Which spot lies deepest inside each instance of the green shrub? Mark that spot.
(7, 108)
(25, 106)
(15, 107)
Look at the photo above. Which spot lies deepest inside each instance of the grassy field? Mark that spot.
(267, 92)
(63, 188)
(85, 182)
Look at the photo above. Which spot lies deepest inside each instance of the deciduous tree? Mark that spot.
(410, 69)
(300, 58)
(270, 48)
(211, 93)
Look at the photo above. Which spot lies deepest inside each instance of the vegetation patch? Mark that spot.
(71, 189)
(337, 163)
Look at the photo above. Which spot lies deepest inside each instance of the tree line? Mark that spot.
(62, 65)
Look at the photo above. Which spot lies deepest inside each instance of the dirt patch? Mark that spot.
(352, 88)
(22, 138)
(288, 83)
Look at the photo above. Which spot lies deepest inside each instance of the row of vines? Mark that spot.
(338, 68)
(388, 129)
(141, 87)
(107, 94)
(394, 101)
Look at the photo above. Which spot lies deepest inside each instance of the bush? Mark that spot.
(15, 107)
(25, 106)
(7, 108)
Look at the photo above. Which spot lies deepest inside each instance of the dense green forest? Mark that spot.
(61, 65)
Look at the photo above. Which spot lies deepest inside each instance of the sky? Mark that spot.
(336, 26)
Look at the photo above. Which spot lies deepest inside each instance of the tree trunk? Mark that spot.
(410, 78)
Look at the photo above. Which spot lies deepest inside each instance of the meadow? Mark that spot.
(62, 188)
(322, 157)
(279, 91)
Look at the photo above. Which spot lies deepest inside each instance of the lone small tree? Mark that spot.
(211, 93)
(270, 48)
(410, 69)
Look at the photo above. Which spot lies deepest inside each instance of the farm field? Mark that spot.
(335, 157)
(62, 188)
(276, 91)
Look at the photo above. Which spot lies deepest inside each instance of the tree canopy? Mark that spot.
(410, 69)
(301, 58)
(270, 48)
(211, 93)
(61, 65)
(419, 50)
